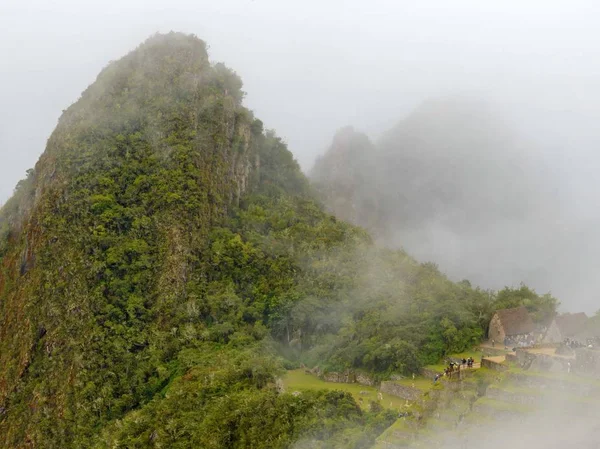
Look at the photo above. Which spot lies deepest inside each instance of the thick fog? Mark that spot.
(310, 67)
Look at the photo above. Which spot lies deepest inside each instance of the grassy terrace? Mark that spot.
(403, 430)
(475, 353)
(298, 380)
(486, 409)
(458, 406)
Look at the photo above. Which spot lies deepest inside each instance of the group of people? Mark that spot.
(454, 367)
(572, 344)
(590, 343)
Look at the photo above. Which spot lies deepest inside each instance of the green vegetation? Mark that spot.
(475, 353)
(542, 308)
(166, 259)
(298, 380)
(397, 316)
(218, 404)
(419, 383)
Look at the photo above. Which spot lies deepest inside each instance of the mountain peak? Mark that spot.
(98, 241)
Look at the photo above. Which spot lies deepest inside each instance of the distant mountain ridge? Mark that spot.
(453, 183)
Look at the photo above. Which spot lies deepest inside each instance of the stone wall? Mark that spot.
(348, 377)
(401, 391)
(340, 378)
(491, 364)
(524, 358)
(364, 379)
(493, 352)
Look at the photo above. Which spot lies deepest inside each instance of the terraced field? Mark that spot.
(299, 380)
(454, 413)
(467, 410)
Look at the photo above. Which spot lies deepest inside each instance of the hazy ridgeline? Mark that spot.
(314, 67)
(456, 184)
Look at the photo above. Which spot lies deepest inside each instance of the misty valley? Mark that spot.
(171, 278)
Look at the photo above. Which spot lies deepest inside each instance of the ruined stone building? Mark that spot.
(568, 325)
(511, 324)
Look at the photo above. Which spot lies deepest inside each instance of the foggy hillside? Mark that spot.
(264, 224)
(455, 183)
(166, 257)
(312, 67)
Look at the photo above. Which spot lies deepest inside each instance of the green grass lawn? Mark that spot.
(298, 380)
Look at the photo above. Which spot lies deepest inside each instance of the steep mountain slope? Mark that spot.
(161, 253)
(99, 242)
(451, 183)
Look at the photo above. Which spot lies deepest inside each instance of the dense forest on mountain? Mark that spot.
(166, 260)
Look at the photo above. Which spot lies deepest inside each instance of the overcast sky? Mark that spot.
(309, 67)
(312, 66)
